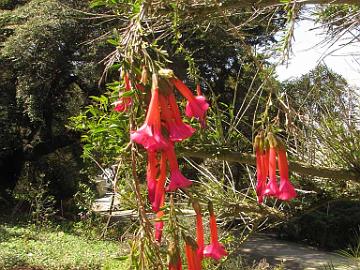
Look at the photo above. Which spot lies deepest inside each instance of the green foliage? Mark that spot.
(46, 78)
(41, 37)
(321, 92)
(352, 252)
(105, 132)
(54, 249)
(335, 16)
(324, 132)
(36, 194)
(341, 143)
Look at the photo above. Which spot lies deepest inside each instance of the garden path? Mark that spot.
(294, 256)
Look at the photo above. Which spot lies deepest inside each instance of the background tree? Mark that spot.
(49, 67)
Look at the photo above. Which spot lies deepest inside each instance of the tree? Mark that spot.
(47, 76)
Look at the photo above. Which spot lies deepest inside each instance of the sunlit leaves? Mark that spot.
(105, 132)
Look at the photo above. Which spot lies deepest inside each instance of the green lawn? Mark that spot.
(53, 249)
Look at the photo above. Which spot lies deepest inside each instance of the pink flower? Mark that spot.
(286, 190)
(178, 133)
(196, 106)
(122, 104)
(149, 134)
(272, 188)
(177, 180)
(197, 109)
(215, 250)
(177, 129)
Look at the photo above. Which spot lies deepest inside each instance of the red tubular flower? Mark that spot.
(189, 256)
(149, 134)
(160, 185)
(175, 265)
(192, 257)
(272, 188)
(177, 180)
(260, 175)
(199, 230)
(265, 166)
(265, 157)
(159, 225)
(140, 87)
(123, 103)
(196, 106)
(151, 174)
(197, 261)
(215, 250)
(127, 82)
(177, 129)
(286, 190)
(174, 256)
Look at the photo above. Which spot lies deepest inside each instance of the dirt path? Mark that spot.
(294, 256)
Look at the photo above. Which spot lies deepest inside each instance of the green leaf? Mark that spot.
(128, 93)
(115, 67)
(99, 130)
(97, 3)
(113, 42)
(121, 258)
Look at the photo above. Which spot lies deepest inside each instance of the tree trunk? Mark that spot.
(202, 10)
(297, 167)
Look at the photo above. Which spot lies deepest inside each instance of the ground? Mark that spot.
(26, 247)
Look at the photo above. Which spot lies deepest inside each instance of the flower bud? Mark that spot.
(166, 73)
(144, 76)
(272, 140)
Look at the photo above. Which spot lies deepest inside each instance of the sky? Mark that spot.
(306, 55)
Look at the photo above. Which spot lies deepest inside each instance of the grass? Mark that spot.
(54, 249)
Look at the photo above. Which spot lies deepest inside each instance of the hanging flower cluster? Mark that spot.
(196, 250)
(162, 128)
(270, 151)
